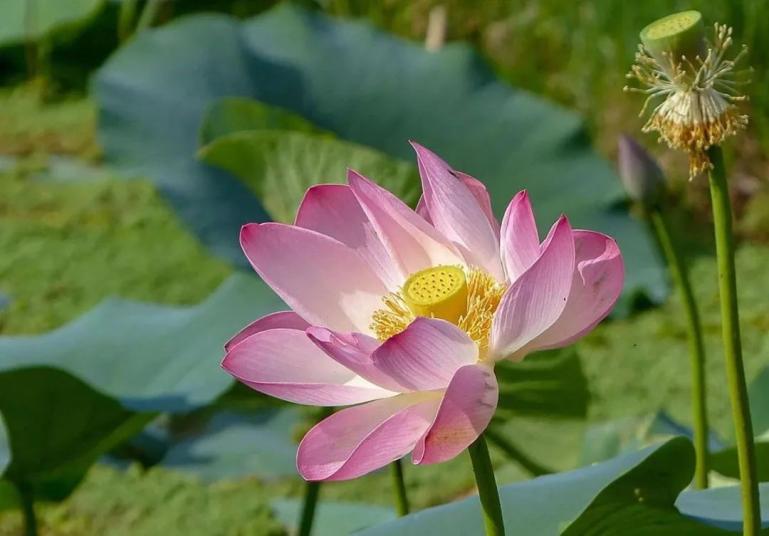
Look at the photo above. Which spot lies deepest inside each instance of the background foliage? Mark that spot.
(78, 226)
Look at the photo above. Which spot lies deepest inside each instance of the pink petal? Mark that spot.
(597, 284)
(331, 209)
(412, 243)
(323, 280)
(455, 213)
(285, 363)
(481, 194)
(538, 297)
(358, 440)
(281, 319)
(519, 240)
(353, 351)
(479, 191)
(425, 355)
(465, 412)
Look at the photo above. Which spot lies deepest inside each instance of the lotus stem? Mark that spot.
(126, 19)
(487, 487)
(399, 488)
(27, 504)
(730, 326)
(680, 275)
(147, 17)
(311, 493)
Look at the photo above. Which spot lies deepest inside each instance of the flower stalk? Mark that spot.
(645, 184)
(399, 488)
(27, 504)
(307, 517)
(680, 275)
(487, 488)
(730, 326)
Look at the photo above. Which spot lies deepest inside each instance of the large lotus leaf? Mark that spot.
(547, 505)
(236, 444)
(149, 357)
(153, 95)
(366, 87)
(280, 165)
(333, 518)
(30, 20)
(56, 427)
(236, 114)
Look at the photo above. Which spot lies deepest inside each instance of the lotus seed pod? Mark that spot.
(641, 176)
(678, 35)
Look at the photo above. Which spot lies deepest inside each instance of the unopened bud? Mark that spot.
(641, 176)
(674, 37)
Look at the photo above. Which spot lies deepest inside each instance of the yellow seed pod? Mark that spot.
(440, 292)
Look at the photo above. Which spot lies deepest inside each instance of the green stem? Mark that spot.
(148, 15)
(27, 503)
(680, 275)
(399, 488)
(311, 493)
(515, 454)
(730, 326)
(126, 19)
(487, 488)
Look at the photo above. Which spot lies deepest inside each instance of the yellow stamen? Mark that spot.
(699, 97)
(467, 299)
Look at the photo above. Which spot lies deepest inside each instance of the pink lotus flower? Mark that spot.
(402, 314)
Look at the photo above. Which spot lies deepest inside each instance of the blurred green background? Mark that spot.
(72, 232)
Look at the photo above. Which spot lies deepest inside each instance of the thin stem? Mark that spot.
(148, 15)
(515, 454)
(680, 275)
(487, 488)
(126, 19)
(27, 503)
(311, 493)
(730, 326)
(399, 488)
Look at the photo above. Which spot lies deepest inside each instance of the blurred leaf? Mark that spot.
(608, 439)
(30, 20)
(366, 87)
(642, 500)
(725, 461)
(546, 505)
(548, 384)
(758, 394)
(333, 518)
(57, 426)
(153, 94)
(279, 166)
(536, 397)
(234, 114)
(149, 357)
(239, 444)
(721, 507)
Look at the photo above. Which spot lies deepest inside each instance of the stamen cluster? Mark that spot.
(699, 97)
(483, 296)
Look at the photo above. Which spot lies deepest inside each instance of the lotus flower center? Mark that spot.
(467, 297)
(439, 292)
